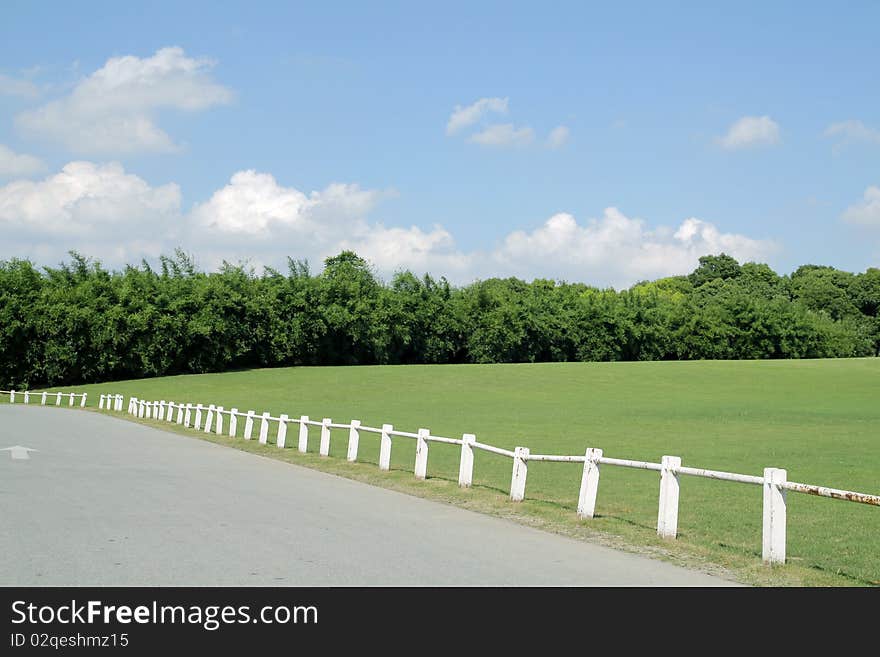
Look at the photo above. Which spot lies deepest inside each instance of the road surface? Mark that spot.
(104, 501)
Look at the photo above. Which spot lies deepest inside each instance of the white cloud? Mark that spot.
(617, 250)
(98, 209)
(105, 212)
(750, 131)
(503, 134)
(113, 109)
(464, 116)
(867, 211)
(18, 164)
(558, 137)
(16, 87)
(852, 131)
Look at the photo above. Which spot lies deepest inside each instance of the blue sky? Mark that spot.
(680, 129)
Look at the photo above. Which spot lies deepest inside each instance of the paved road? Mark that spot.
(109, 502)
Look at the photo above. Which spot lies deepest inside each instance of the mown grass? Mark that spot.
(819, 419)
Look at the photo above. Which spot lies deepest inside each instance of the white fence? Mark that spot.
(774, 481)
(46, 396)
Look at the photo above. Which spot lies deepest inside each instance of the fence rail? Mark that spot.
(212, 419)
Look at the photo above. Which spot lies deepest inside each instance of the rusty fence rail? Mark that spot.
(218, 420)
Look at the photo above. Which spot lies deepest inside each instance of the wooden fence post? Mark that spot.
(218, 421)
(160, 412)
(180, 409)
(324, 449)
(43, 399)
(187, 416)
(249, 425)
(82, 401)
(354, 438)
(303, 445)
(667, 514)
(209, 418)
(27, 396)
(12, 396)
(589, 484)
(148, 412)
(101, 402)
(281, 438)
(773, 534)
(169, 412)
(70, 403)
(264, 428)
(466, 463)
(58, 399)
(385, 447)
(421, 469)
(520, 472)
(233, 422)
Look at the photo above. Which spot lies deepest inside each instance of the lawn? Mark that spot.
(819, 419)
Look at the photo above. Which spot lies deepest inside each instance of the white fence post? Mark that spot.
(27, 396)
(82, 402)
(774, 516)
(385, 447)
(264, 428)
(303, 445)
(233, 422)
(421, 469)
(187, 416)
(12, 396)
(43, 399)
(58, 399)
(218, 421)
(169, 412)
(324, 449)
(180, 411)
(354, 438)
(520, 472)
(466, 464)
(281, 439)
(161, 414)
(132, 402)
(142, 408)
(209, 418)
(249, 425)
(667, 514)
(198, 422)
(101, 402)
(589, 484)
(70, 403)
(119, 401)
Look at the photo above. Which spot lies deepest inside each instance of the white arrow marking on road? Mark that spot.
(17, 452)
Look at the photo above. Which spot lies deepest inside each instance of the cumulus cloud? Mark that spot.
(867, 211)
(852, 131)
(114, 109)
(106, 212)
(18, 164)
(464, 116)
(96, 208)
(750, 131)
(17, 87)
(616, 249)
(503, 134)
(558, 137)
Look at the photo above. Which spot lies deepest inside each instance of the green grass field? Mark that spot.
(818, 419)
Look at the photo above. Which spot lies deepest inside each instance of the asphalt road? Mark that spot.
(104, 501)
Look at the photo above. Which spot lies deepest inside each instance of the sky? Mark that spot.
(586, 142)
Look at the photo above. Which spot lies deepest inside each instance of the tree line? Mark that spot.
(79, 322)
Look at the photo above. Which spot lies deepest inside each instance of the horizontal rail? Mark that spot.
(493, 449)
(626, 463)
(555, 458)
(836, 493)
(405, 434)
(338, 425)
(441, 439)
(717, 474)
(370, 429)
